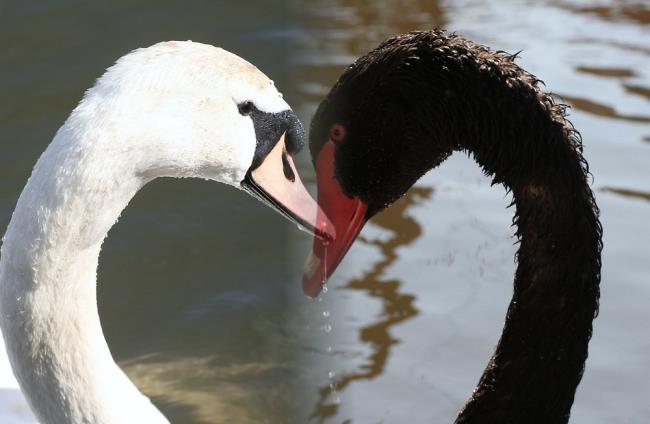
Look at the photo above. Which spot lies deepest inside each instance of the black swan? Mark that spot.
(401, 110)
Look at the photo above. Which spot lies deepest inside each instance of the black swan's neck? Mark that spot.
(429, 94)
(539, 360)
(521, 137)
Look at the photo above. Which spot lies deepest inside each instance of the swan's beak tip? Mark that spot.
(312, 278)
(324, 228)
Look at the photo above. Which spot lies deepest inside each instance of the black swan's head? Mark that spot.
(376, 134)
(376, 117)
(405, 107)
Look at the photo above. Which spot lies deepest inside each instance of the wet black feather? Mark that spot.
(410, 103)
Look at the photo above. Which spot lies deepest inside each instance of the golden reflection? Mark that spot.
(205, 392)
(600, 109)
(397, 307)
(628, 193)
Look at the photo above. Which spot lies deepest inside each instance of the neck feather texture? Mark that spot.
(539, 360)
(48, 301)
(524, 141)
(520, 136)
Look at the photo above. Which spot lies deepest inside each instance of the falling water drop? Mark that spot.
(326, 327)
(324, 262)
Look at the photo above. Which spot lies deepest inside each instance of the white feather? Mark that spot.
(166, 110)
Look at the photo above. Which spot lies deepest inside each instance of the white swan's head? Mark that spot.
(186, 109)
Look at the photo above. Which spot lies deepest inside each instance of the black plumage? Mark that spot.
(405, 107)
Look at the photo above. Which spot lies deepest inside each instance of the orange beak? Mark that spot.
(276, 183)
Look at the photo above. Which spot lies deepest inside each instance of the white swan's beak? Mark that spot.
(276, 183)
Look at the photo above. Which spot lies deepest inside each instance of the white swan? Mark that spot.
(177, 109)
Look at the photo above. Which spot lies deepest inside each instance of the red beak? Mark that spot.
(347, 215)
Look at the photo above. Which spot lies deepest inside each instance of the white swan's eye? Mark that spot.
(246, 108)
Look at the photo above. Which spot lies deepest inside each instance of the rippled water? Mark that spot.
(421, 299)
(199, 285)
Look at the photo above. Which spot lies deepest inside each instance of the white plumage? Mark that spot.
(166, 110)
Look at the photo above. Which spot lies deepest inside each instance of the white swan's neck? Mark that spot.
(171, 109)
(48, 293)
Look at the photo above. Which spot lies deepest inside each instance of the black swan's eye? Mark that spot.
(246, 108)
(337, 133)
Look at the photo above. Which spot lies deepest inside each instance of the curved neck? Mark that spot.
(48, 301)
(539, 360)
(410, 103)
(438, 94)
(521, 137)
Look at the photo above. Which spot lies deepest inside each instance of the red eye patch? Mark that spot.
(337, 133)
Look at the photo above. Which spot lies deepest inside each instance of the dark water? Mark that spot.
(199, 285)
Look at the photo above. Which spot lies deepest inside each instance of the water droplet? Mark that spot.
(326, 314)
(326, 242)
(331, 374)
(324, 262)
(327, 328)
(329, 349)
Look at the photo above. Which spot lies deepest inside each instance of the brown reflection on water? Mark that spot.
(638, 90)
(376, 18)
(397, 307)
(637, 12)
(340, 31)
(600, 109)
(611, 43)
(606, 72)
(628, 193)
